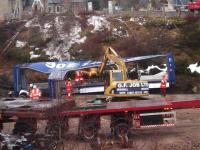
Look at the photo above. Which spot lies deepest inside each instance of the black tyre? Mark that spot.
(88, 132)
(23, 95)
(53, 127)
(122, 131)
(25, 126)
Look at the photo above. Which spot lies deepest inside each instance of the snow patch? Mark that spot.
(59, 26)
(149, 68)
(61, 45)
(120, 19)
(132, 19)
(120, 32)
(140, 21)
(32, 46)
(156, 67)
(61, 40)
(47, 25)
(20, 44)
(28, 23)
(74, 37)
(47, 52)
(32, 23)
(80, 51)
(32, 55)
(99, 23)
(46, 30)
(194, 68)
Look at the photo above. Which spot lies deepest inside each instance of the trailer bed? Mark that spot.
(25, 107)
(29, 108)
(152, 102)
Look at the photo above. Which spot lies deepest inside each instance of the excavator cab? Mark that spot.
(115, 86)
(116, 75)
(111, 76)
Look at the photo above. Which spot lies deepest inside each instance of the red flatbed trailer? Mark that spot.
(154, 102)
(151, 111)
(27, 108)
(145, 112)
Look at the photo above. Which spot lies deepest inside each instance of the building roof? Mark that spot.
(55, 1)
(62, 1)
(78, 1)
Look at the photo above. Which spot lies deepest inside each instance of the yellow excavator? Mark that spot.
(116, 82)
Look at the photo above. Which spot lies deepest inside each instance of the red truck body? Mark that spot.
(192, 6)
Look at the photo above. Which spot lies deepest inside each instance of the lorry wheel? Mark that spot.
(88, 132)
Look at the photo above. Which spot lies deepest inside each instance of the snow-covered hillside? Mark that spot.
(62, 39)
(60, 34)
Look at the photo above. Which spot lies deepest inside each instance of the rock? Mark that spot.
(195, 89)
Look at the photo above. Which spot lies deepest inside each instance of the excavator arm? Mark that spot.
(111, 55)
(117, 83)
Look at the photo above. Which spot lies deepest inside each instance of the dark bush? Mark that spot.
(91, 49)
(152, 42)
(19, 55)
(190, 33)
(36, 37)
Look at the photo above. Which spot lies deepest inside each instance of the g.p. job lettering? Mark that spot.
(132, 88)
(130, 85)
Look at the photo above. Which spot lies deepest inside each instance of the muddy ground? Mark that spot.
(184, 136)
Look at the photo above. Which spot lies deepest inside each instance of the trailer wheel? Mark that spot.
(122, 130)
(88, 127)
(53, 127)
(88, 132)
(25, 125)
